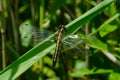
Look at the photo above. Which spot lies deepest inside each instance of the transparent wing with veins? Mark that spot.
(76, 46)
(72, 43)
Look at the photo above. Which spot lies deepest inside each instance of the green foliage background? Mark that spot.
(96, 21)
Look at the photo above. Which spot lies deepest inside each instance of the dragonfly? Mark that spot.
(72, 43)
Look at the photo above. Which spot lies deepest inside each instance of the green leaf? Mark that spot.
(79, 73)
(23, 63)
(107, 29)
(114, 76)
(111, 10)
(92, 41)
(101, 71)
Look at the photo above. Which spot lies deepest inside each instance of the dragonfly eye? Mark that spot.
(61, 26)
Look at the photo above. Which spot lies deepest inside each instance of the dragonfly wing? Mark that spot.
(39, 36)
(76, 46)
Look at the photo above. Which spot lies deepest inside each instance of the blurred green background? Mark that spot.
(97, 21)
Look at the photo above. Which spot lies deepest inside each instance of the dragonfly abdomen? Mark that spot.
(58, 43)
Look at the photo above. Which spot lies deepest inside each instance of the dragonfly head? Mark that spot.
(62, 26)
